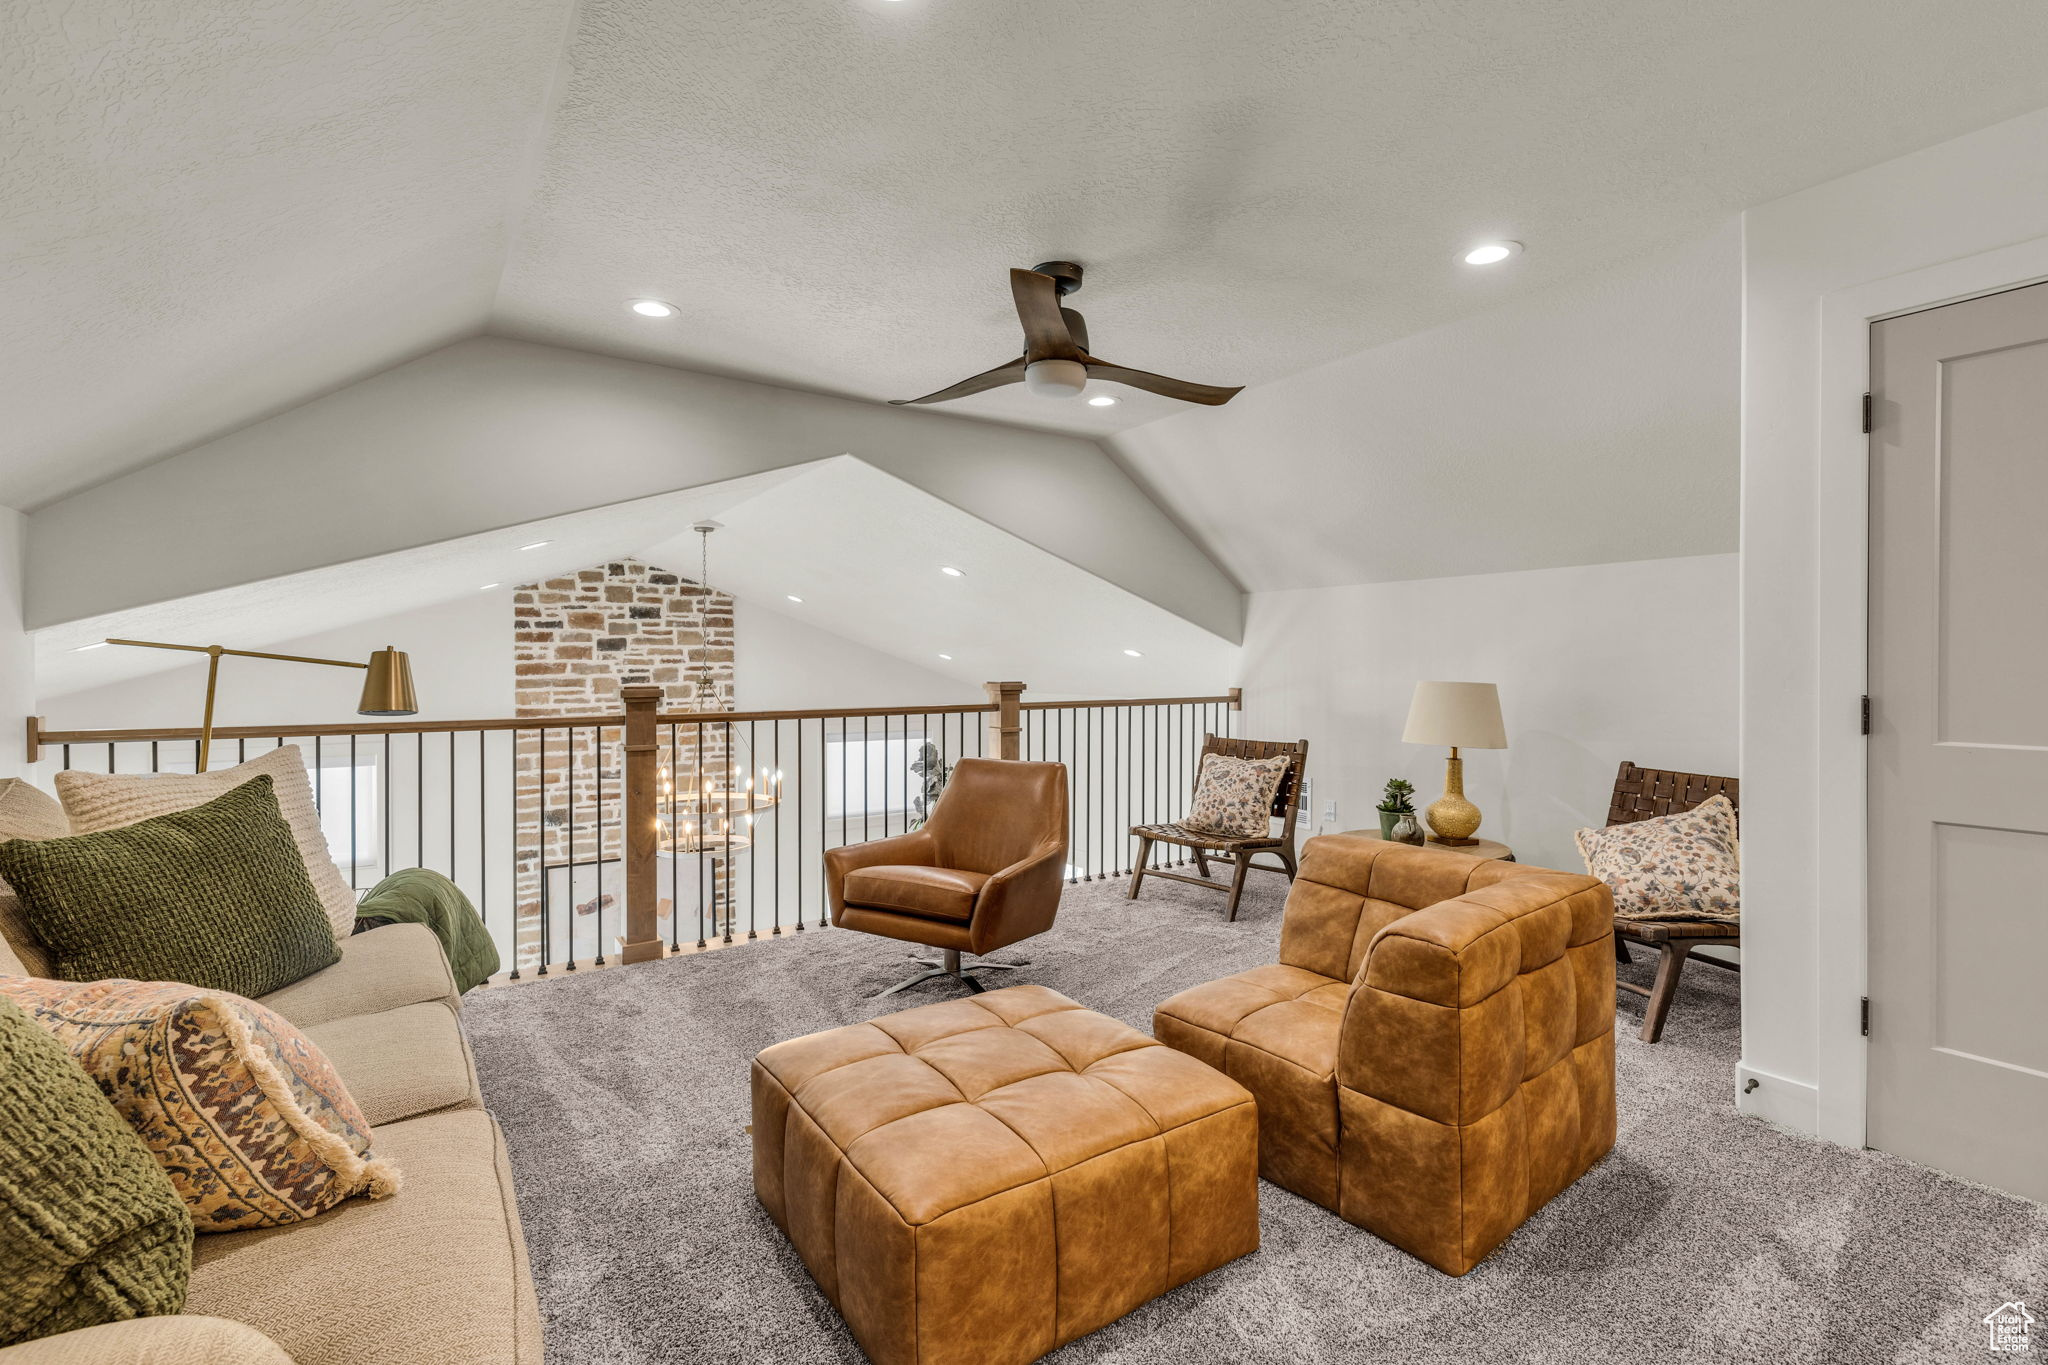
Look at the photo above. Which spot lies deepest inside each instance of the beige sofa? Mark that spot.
(435, 1273)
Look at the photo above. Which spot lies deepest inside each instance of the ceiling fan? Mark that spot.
(1056, 363)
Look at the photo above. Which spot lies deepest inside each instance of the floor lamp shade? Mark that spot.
(387, 691)
(1455, 715)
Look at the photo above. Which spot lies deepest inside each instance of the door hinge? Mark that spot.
(1866, 1016)
(1868, 420)
(1866, 715)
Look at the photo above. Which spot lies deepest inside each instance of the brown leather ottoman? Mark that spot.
(986, 1179)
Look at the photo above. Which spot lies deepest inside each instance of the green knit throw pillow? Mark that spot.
(216, 896)
(90, 1229)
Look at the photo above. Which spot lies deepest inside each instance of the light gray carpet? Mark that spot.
(1705, 1236)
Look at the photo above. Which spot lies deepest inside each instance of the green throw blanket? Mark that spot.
(421, 896)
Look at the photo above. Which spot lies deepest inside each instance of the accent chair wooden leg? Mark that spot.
(1287, 857)
(1670, 962)
(1244, 865)
(1138, 869)
(1202, 861)
(1621, 949)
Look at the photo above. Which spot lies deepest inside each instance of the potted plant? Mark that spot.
(1398, 801)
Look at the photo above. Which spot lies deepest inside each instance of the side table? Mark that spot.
(1485, 848)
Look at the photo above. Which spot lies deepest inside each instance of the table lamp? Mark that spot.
(1460, 715)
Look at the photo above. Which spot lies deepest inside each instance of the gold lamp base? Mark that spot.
(1453, 819)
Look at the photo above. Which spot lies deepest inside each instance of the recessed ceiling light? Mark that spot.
(1134, 654)
(949, 571)
(536, 545)
(486, 587)
(947, 657)
(96, 644)
(1492, 253)
(1102, 400)
(652, 308)
(793, 597)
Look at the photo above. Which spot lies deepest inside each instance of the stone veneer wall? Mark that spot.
(577, 640)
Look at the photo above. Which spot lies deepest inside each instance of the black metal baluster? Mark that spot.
(542, 859)
(775, 905)
(726, 829)
(384, 771)
(483, 837)
(153, 767)
(453, 864)
(800, 811)
(753, 838)
(569, 804)
(702, 842)
(597, 959)
(419, 798)
(675, 867)
(354, 857)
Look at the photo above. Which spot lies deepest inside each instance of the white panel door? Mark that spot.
(1959, 741)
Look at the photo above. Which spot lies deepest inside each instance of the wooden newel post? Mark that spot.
(1009, 702)
(642, 940)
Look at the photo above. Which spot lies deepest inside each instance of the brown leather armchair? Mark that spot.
(1433, 1054)
(983, 872)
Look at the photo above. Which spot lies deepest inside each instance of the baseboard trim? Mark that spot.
(1776, 1099)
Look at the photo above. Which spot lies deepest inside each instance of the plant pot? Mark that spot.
(1388, 819)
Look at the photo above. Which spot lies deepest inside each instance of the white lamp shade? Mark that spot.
(1056, 378)
(1456, 715)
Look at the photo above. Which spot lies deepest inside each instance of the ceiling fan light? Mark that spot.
(1056, 378)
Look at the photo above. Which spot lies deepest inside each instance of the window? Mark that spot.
(878, 775)
(354, 829)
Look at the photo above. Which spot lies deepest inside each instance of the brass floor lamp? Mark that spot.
(387, 691)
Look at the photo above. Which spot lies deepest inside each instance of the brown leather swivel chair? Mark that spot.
(983, 872)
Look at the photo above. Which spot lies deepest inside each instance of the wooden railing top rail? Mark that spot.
(39, 736)
(1234, 697)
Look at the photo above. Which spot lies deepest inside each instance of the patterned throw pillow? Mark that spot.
(103, 801)
(1685, 866)
(216, 896)
(1234, 796)
(90, 1230)
(242, 1112)
(26, 812)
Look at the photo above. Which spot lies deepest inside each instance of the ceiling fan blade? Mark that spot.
(1208, 394)
(1010, 372)
(1038, 308)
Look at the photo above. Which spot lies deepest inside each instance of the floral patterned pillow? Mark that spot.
(1234, 796)
(245, 1115)
(1685, 866)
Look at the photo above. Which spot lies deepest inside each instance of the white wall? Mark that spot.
(1596, 664)
(17, 656)
(781, 664)
(491, 433)
(1807, 258)
(461, 660)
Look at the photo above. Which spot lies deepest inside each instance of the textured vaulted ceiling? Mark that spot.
(210, 211)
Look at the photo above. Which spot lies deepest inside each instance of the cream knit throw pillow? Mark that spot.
(26, 812)
(102, 801)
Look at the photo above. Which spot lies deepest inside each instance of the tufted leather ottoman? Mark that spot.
(986, 1179)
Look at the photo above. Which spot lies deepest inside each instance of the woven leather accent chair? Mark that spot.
(985, 871)
(1644, 794)
(1286, 801)
(1433, 1054)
